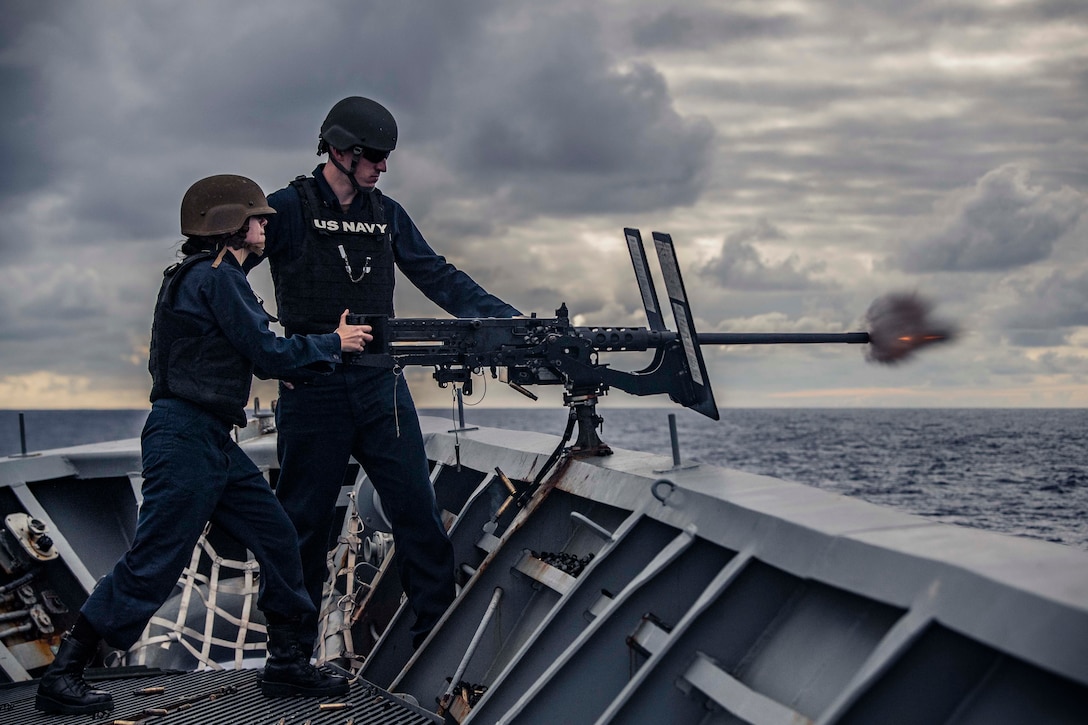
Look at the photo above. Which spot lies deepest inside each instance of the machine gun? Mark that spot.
(550, 351)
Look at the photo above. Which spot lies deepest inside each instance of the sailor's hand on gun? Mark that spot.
(353, 338)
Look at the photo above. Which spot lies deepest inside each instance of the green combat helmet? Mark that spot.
(221, 205)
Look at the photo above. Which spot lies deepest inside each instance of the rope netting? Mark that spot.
(211, 617)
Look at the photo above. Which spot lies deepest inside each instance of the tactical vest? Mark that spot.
(346, 262)
(186, 362)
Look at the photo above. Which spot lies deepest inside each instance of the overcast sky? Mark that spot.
(807, 157)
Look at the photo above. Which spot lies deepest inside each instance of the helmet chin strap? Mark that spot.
(350, 173)
(236, 242)
(219, 257)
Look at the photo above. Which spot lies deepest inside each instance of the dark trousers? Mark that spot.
(351, 413)
(194, 472)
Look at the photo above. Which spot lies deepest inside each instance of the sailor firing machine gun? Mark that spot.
(529, 351)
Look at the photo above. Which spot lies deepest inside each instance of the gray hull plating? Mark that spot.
(622, 589)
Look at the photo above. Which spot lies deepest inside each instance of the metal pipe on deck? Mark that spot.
(674, 439)
(21, 629)
(494, 605)
(22, 433)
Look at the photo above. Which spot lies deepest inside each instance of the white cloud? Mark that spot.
(1004, 222)
(740, 266)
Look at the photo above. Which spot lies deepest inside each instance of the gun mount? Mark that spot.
(531, 351)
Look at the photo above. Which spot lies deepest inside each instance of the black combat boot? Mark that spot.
(62, 689)
(288, 671)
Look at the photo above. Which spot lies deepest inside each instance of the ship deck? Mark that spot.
(703, 595)
(223, 697)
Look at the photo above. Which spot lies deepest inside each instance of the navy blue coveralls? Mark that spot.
(351, 412)
(193, 470)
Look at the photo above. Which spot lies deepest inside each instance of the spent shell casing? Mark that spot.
(150, 691)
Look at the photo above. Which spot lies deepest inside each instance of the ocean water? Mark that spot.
(1019, 471)
(46, 429)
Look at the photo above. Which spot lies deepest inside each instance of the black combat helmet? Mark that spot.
(221, 205)
(358, 121)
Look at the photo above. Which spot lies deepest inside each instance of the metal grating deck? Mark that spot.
(227, 697)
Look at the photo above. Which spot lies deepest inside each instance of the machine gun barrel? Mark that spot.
(608, 339)
(496, 341)
(781, 338)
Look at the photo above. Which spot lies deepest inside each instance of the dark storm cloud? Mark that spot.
(1037, 338)
(254, 75)
(134, 112)
(1055, 364)
(563, 129)
(739, 265)
(689, 28)
(147, 102)
(21, 124)
(910, 101)
(17, 131)
(927, 16)
(905, 159)
(1066, 11)
(23, 143)
(1004, 222)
